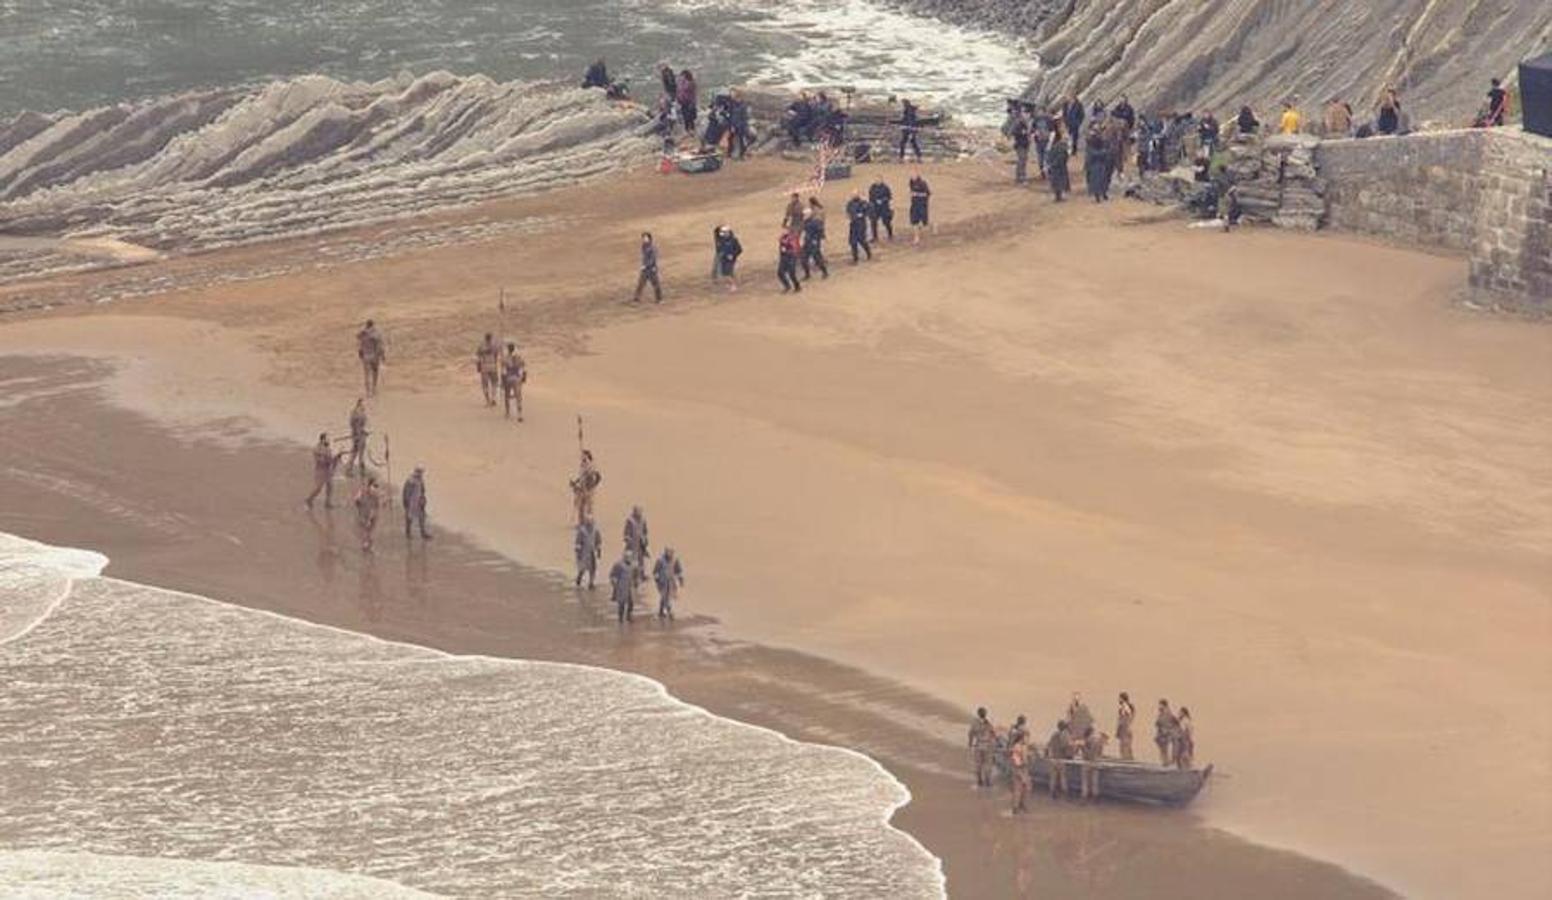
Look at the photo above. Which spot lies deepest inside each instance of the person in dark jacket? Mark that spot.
(881, 209)
(1387, 119)
(788, 249)
(648, 270)
(1246, 121)
(670, 82)
(857, 227)
(597, 75)
(1096, 164)
(1019, 131)
(1497, 105)
(728, 251)
(921, 195)
(813, 240)
(1207, 133)
(910, 124)
(1072, 117)
(738, 127)
(687, 95)
(1056, 171)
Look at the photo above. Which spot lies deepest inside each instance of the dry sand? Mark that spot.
(1278, 478)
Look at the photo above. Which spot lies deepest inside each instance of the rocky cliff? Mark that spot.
(1219, 54)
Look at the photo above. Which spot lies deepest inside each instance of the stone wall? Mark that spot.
(1486, 193)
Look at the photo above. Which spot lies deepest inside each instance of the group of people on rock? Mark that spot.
(814, 119)
(629, 572)
(1075, 742)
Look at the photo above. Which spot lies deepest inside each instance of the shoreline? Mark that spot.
(179, 548)
(584, 342)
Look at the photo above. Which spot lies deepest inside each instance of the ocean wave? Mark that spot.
(146, 723)
(227, 166)
(34, 875)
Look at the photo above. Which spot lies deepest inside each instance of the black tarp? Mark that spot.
(1536, 94)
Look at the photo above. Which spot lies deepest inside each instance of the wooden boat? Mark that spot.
(1130, 781)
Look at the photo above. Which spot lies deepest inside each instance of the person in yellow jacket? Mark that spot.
(1290, 121)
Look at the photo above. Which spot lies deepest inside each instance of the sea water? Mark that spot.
(77, 54)
(155, 743)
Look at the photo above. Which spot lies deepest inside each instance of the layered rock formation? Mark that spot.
(228, 166)
(1219, 54)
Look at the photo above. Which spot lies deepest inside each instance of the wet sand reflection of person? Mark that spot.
(327, 558)
(370, 590)
(417, 572)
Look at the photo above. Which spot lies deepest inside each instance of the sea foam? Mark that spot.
(147, 724)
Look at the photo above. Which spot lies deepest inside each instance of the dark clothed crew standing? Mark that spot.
(687, 95)
(921, 195)
(881, 209)
(813, 245)
(1072, 117)
(857, 228)
(649, 273)
(1056, 170)
(910, 124)
(787, 251)
(1246, 121)
(1020, 132)
(1096, 165)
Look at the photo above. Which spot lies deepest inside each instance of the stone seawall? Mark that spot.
(1486, 193)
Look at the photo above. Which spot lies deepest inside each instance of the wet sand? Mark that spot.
(130, 499)
(1278, 478)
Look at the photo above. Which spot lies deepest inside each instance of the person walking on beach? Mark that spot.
(983, 743)
(1093, 748)
(728, 251)
(1018, 770)
(788, 248)
(324, 461)
(584, 485)
(1165, 727)
(910, 124)
(588, 545)
(1058, 750)
(792, 216)
(1072, 119)
(635, 536)
(668, 574)
(813, 240)
(881, 209)
(648, 273)
(370, 350)
(921, 194)
(1125, 713)
(358, 435)
(486, 362)
(414, 499)
(514, 374)
(1057, 172)
(622, 584)
(857, 227)
(369, 502)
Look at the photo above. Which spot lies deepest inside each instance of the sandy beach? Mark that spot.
(1283, 479)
